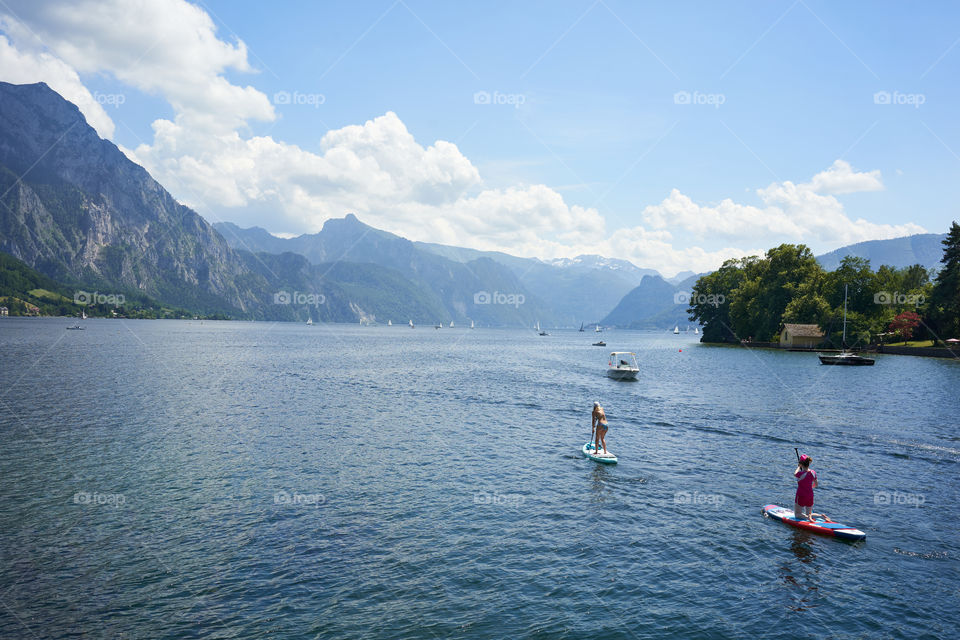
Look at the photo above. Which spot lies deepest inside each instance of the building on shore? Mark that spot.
(800, 336)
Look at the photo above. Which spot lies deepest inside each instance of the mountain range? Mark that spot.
(922, 248)
(559, 293)
(79, 213)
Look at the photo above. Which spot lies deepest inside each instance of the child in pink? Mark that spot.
(806, 483)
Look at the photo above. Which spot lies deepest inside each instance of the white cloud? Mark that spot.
(727, 218)
(841, 178)
(804, 212)
(656, 248)
(822, 218)
(377, 170)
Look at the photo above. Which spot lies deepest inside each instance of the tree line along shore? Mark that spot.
(753, 299)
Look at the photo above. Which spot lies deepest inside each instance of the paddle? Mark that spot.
(798, 454)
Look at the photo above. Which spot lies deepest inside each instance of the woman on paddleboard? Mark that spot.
(598, 427)
(806, 483)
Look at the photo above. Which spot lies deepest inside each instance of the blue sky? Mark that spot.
(672, 134)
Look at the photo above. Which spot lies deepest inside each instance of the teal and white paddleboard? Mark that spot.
(590, 450)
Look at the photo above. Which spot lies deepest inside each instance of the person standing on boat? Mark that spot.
(806, 483)
(598, 427)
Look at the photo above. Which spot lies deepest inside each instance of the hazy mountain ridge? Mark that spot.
(457, 289)
(924, 248)
(562, 292)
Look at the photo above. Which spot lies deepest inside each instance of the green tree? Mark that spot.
(944, 308)
(710, 304)
(770, 284)
(855, 274)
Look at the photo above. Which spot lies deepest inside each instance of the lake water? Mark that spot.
(251, 480)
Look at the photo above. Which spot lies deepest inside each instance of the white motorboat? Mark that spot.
(623, 365)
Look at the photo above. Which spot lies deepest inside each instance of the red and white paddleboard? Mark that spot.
(826, 527)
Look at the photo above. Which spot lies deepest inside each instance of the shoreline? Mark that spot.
(926, 352)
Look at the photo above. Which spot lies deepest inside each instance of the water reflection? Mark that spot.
(600, 478)
(803, 577)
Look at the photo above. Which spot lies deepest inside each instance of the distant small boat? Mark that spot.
(75, 328)
(581, 326)
(696, 330)
(411, 324)
(623, 366)
(309, 321)
(389, 323)
(596, 329)
(471, 324)
(600, 344)
(540, 331)
(451, 324)
(83, 314)
(676, 330)
(439, 325)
